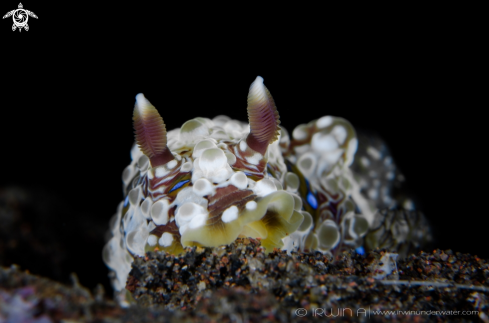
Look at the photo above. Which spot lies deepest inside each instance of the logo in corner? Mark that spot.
(20, 17)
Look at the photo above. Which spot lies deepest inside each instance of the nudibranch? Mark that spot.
(212, 181)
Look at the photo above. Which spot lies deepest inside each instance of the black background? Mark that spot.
(69, 85)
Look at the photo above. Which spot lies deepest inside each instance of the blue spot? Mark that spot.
(248, 174)
(178, 185)
(270, 175)
(360, 250)
(311, 199)
(126, 201)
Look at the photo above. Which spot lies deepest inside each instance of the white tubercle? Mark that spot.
(146, 208)
(212, 160)
(235, 130)
(159, 212)
(292, 182)
(230, 214)
(334, 156)
(136, 240)
(328, 235)
(243, 145)
(351, 150)
(220, 120)
(322, 143)
(201, 146)
(188, 195)
(213, 165)
(302, 149)
(161, 171)
(187, 212)
(374, 153)
(365, 161)
(134, 219)
(198, 221)
(297, 202)
(183, 228)
(328, 162)
(186, 167)
(135, 196)
(166, 239)
(277, 183)
(116, 219)
(127, 174)
(340, 134)
(151, 226)
(307, 223)
(284, 136)
(251, 205)
(323, 122)
(255, 159)
(239, 180)
(307, 163)
(171, 164)
(203, 187)
(219, 134)
(143, 163)
(152, 240)
(264, 187)
(231, 157)
(150, 174)
(125, 219)
(192, 130)
(135, 152)
(300, 132)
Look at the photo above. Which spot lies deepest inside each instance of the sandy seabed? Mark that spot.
(240, 283)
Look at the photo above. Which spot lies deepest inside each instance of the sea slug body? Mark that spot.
(214, 180)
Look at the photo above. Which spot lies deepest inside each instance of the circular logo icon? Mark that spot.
(301, 312)
(20, 17)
